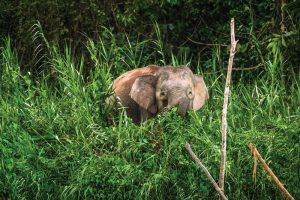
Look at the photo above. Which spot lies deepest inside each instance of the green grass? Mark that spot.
(59, 140)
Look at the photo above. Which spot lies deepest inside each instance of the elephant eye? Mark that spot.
(190, 94)
(163, 94)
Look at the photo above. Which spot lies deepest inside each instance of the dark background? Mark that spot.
(182, 23)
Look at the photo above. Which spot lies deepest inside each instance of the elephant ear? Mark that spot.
(201, 92)
(143, 92)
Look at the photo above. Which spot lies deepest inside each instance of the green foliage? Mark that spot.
(61, 140)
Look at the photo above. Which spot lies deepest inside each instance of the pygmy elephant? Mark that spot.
(145, 92)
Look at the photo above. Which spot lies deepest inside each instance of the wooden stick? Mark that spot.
(282, 3)
(256, 154)
(225, 103)
(211, 179)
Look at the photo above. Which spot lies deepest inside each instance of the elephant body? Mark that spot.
(144, 92)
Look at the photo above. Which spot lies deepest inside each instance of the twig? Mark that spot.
(256, 154)
(211, 179)
(225, 104)
(248, 68)
(281, 23)
(206, 44)
(236, 69)
(254, 169)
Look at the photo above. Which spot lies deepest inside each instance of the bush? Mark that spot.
(59, 140)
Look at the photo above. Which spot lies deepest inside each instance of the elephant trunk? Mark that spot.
(183, 107)
(182, 103)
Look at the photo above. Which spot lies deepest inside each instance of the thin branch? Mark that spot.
(248, 68)
(256, 154)
(211, 179)
(206, 44)
(236, 69)
(225, 104)
(281, 23)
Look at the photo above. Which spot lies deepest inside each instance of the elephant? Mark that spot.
(147, 91)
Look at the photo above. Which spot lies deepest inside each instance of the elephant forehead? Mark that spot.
(175, 84)
(180, 77)
(175, 73)
(175, 78)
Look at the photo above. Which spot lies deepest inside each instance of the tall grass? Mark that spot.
(60, 140)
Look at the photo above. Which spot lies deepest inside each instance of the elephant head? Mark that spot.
(147, 91)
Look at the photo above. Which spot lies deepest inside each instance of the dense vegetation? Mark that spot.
(59, 140)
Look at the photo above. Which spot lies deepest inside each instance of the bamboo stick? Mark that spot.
(256, 154)
(225, 105)
(211, 179)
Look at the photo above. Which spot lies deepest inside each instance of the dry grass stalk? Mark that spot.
(256, 154)
(211, 179)
(225, 105)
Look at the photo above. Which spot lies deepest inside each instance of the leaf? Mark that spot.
(283, 42)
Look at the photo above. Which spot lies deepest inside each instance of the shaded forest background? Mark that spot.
(194, 28)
